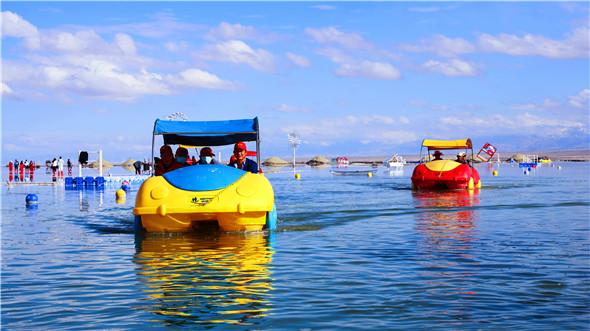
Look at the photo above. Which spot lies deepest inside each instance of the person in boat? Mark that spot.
(182, 156)
(461, 157)
(437, 155)
(166, 162)
(206, 156)
(241, 161)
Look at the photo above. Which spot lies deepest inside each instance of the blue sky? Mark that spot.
(350, 78)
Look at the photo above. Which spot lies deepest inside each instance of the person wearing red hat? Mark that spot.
(437, 155)
(241, 162)
(206, 156)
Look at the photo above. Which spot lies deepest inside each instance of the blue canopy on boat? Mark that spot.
(207, 133)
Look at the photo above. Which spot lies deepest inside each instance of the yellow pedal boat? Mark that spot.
(179, 200)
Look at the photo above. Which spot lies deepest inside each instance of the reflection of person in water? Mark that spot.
(192, 280)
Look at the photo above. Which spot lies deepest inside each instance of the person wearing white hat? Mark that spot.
(461, 157)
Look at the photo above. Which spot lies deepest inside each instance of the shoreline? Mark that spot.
(555, 156)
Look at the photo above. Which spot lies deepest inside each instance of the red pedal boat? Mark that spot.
(438, 173)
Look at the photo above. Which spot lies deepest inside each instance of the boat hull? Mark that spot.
(180, 200)
(445, 174)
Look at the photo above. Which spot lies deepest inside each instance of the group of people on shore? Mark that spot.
(168, 161)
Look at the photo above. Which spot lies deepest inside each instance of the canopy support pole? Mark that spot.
(153, 161)
(258, 148)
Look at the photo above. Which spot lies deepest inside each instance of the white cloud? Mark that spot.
(229, 31)
(56, 76)
(454, 67)
(323, 7)
(199, 79)
(97, 78)
(429, 106)
(546, 104)
(574, 45)
(581, 100)
(351, 67)
(80, 62)
(559, 125)
(15, 26)
(161, 25)
(392, 137)
(232, 31)
(105, 79)
(125, 44)
(520, 124)
(176, 47)
(77, 42)
(335, 55)
(237, 51)
(291, 109)
(369, 69)
(367, 119)
(331, 35)
(298, 60)
(5, 89)
(362, 128)
(441, 45)
(90, 43)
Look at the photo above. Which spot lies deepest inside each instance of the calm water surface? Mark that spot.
(351, 252)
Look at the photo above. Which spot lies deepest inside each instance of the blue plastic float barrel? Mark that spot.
(79, 182)
(125, 186)
(99, 182)
(32, 201)
(89, 181)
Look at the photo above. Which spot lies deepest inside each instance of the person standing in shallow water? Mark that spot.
(60, 166)
(69, 165)
(137, 166)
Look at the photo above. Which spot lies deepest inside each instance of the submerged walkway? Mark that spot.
(33, 183)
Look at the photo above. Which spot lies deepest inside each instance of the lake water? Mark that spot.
(351, 252)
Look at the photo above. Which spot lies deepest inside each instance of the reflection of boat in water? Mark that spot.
(396, 161)
(395, 172)
(446, 214)
(446, 224)
(210, 280)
